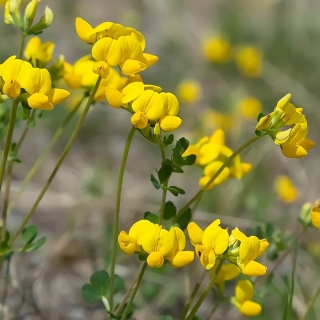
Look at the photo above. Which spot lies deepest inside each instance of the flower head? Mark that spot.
(315, 217)
(37, 51)
(243, 299)
(249, 61)
(189, 91)
(210, 243)
(285, 189)
(217, 50)
(250, 107)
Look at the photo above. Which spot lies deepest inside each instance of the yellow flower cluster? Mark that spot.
(215, 243)
(16, 74)
(247, 58)
(117, 46)
(293, 141)
(211, 153)
(159, 245)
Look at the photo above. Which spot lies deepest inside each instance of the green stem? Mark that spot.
(9, 138)
(213, 178)
(134, 291)
(5, 291)
(117, 213)
(62, 157)
(214, 309)
(311, 303)
(205, 292)
(193, 295)
(21, 45)
(164, 191)
(34, 169)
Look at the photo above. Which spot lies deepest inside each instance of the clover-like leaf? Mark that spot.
(170, 210)
(155, 182)
(151, 217)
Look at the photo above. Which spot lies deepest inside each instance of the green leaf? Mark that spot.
(155, 182)
(180, 147)
(165, 173)
(168, 140)
(184, 219)
(29, 234)
(260, 115)
(179, 190)
(170, 210)
(165, 318)
(118, 284)
(151, 217)
(34, 246)
(7, 235)
(173, 191)
(258, 133)
(98, 287)
(31, 123)
(4, 248)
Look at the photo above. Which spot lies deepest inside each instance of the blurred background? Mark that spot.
(226, 61)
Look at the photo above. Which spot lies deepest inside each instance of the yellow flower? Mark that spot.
(30, 12)
(250, 249)
(215, 119)
(210, 170)
(12, 7)
(169, 120)
(217, 50)
(293, 141)
(189, 91)
(285, 189)
(243, 299)
(315, 217)
(14, 73)
(159, 244)
(42, 95)
(226, 273)
(210, 243)
(130, 242)
(250, 107)
(249, 61)
(36, 51)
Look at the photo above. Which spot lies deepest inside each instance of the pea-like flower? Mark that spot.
(293, 141)
(37, 51)
(243, 299)
(157, 244)
(315, 217)
(244, 255)
(42, 95)
(227, 272)
(210, 243)
(14, 73)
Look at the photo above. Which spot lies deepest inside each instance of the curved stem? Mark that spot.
(311, 303)
(134, 291)
(213, 178)
(206, 291)
(117, 213)
(56, 168)
(193, 295)
(34, 169)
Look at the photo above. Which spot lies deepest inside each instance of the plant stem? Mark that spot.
(213, 310)
(34, 169)
(225, 164)
(127, 295)
(193, 295)
(164, 190)
(5, 291)
(117, 213)
(56, 168)
(205, 292)
(134, 291)
(311, 303)
(21, 45)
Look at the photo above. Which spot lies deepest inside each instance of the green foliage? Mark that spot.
(4, 247)
(165, 318)
(99, 287)
(175, 190)
(177, 159)
(170, 211)
(184, 219)
(168, 140)
(165, 173)
(28, 235)
(155, 182)
(118, 317)
(13, 156)
(151, 217)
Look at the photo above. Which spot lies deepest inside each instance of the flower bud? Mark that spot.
(12, 13)
(29, 13)
(44, 22)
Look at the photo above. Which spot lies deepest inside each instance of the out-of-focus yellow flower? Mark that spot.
(285, 189)
(210, 243)
(189, 91)
(243, 299)
(250, 107)
(14, 73)
(226, 273)
(315, 217)
(212, 119)
(244, 255)
(217, 50)
(2, 2)
(211, 153)
(249, 61)
(36, 51)
(159, 244)
(12, 8)
(42, 95)
(293, 141)
(30, 12)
